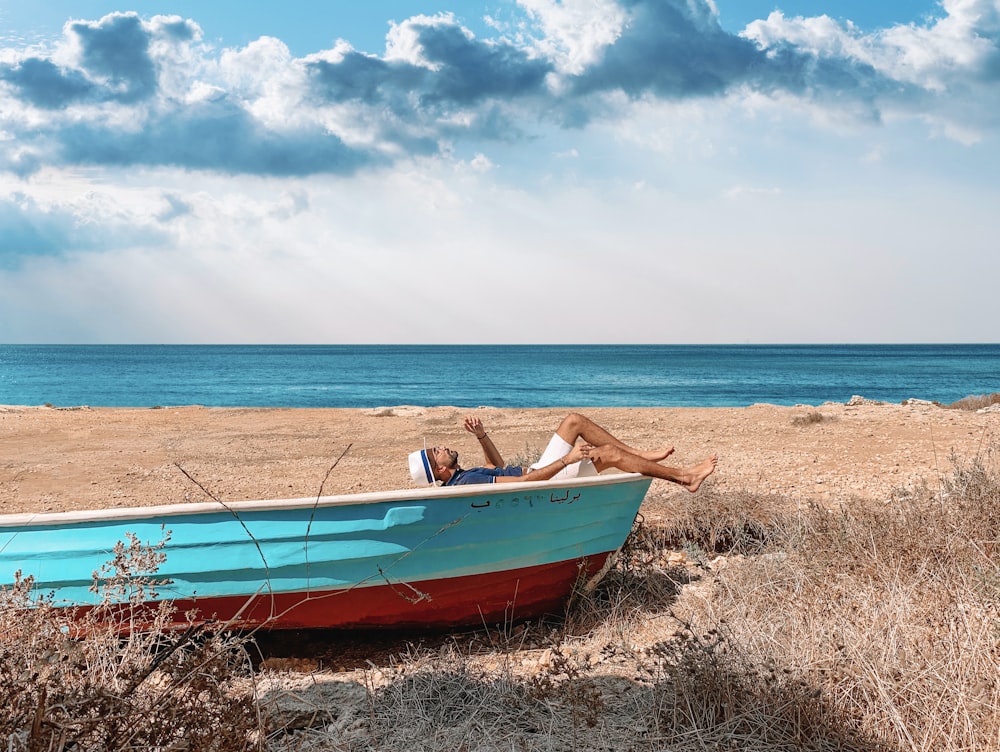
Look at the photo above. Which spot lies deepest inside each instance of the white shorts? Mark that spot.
(557, 449)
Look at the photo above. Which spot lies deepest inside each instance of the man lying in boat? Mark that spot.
(563, 458)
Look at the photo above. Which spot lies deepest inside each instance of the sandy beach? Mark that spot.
(56, 459)
(887, 595)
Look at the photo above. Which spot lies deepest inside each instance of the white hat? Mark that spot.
(420, 468)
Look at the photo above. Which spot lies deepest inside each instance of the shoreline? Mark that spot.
(853, 401)
(83, 457)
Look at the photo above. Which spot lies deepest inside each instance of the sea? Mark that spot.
(368, 376)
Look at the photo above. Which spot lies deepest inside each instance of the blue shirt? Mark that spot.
(483, 475)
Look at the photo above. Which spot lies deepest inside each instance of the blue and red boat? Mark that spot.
(435, 557)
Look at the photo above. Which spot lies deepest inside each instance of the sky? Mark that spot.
(509, 171)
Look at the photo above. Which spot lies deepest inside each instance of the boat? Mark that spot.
(438, 557)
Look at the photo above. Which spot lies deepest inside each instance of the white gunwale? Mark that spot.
(373, 497)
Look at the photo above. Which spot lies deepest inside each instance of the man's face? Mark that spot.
(443, 457)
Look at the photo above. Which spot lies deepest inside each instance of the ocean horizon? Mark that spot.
(497, 375)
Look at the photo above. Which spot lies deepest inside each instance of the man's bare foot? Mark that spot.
(701, 471)
(656, 456)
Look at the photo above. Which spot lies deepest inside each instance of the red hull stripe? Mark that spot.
(473, 600)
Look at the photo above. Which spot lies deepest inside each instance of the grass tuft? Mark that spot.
(975, 402)
(812, 418)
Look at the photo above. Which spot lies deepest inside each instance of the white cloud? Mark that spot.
(481, 163)
(941, 71)
(668, 127)
(201, 91)
(268, 80)
(931, 56)
(934, 56)
(180, 58)
(820, 35)
(575, 32)
(403, 40)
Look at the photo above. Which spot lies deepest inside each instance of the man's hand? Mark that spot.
(474, 426)
(577, 453)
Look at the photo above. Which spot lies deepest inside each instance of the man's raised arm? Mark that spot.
(475, 427)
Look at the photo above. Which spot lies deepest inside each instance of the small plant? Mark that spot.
(526, 457)
(128, 577)
(811, 418)
(120, 687)
(563, 680)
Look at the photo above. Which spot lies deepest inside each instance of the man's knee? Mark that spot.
(610, 453)
(571, 427)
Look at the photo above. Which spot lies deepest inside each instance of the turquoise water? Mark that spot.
(502, 376)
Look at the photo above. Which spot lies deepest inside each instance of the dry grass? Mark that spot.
(148, 690)
(811, 418)
(741, 622)
(888, 612)
(975, 402)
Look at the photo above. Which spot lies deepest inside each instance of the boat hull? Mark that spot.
(428, 558)
(476, 600)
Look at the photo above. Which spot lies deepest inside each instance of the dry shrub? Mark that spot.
(711, 523)
(119, 687)
(890, 610)
(710, 694)
(975, 402)
(811, 418)
(707, 688)
(642, 582)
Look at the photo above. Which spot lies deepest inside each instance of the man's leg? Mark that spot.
(575, 426)
(691, 478)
